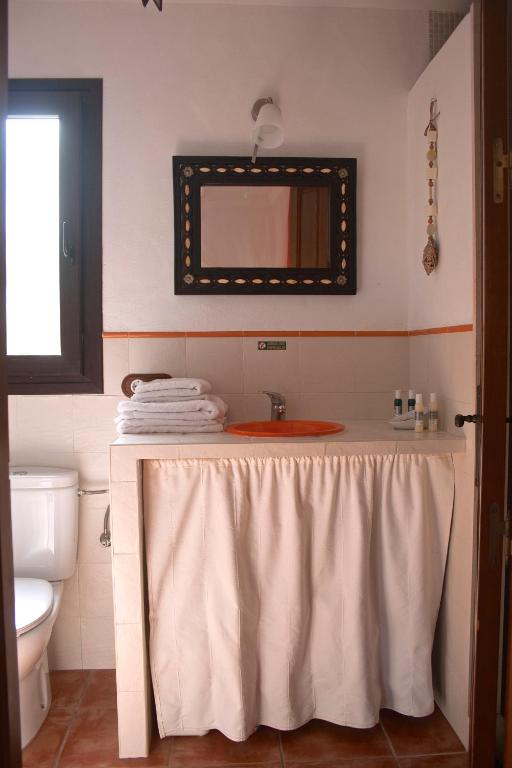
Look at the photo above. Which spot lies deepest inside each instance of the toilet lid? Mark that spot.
(33, 602)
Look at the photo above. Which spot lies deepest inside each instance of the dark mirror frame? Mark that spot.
(338, 174)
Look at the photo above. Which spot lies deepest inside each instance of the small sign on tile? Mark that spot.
(268, 345)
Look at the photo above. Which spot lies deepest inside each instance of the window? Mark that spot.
(53, 236)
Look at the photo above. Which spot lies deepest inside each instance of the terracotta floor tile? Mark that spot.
(356, 762)
(42, 751)
(100, 690)
(437, 761)
(215, 749)
(67, 688)
(320, 740)
(420, 735)
(92, 743)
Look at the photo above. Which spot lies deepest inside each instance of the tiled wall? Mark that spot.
(329, 377)
(446, 364)
(322, 377)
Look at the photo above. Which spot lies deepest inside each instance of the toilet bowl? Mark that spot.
(44, 509)
(37, 606)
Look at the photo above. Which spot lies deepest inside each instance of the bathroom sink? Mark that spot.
(285, 428)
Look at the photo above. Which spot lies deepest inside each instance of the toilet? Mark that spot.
(44, 510)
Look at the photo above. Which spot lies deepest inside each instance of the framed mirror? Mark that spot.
(284, 225)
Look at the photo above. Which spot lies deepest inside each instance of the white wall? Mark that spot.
(446, 363)
(184, 81)
(446, 296)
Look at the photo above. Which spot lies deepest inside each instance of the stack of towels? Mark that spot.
(171, 405)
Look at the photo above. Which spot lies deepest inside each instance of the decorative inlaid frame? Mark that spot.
(338, 175)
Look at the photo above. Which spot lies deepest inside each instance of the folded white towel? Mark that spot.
(127, 428)
(211, 407)
(404, 421)
(166, 397)
(404, 416)
(157, 422)
(149, 391)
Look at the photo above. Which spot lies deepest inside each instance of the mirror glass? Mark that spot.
(265, 226)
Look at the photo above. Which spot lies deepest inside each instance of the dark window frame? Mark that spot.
(81, 368)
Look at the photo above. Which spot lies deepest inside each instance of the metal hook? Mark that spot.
(158, 3)
(433, 116)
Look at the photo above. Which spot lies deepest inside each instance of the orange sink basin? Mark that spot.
(285, 428)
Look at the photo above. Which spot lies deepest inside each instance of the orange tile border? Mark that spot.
(319, 334)
(213, 334)
(270, 334)
(442, 329)
(382, 333)
(262, 334)
(144, 334)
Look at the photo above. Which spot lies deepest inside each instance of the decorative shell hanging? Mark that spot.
(158, 3)
(431, 250)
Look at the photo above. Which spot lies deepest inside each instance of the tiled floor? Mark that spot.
(81, 731)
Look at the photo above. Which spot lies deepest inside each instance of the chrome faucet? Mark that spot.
(277, 405)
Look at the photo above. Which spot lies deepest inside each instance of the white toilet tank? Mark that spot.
(44, 510)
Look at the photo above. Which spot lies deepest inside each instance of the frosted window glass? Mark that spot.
(32, 236)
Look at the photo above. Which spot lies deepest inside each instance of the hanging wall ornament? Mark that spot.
(431, 250)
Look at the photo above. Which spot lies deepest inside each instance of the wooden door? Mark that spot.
(10, 756)
(492, 316)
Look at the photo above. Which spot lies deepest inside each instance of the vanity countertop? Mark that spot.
(359, 437)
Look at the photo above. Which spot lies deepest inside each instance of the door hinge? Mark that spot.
(501, 162)
(507, 535)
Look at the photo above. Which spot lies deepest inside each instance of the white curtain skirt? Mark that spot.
(287, 589)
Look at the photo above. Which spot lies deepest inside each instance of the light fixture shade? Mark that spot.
(268, 130)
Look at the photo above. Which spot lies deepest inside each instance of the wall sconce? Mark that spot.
(268, 126)
(158, 3)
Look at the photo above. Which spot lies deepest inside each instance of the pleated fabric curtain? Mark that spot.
(287, 589)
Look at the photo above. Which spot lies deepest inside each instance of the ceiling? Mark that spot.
(460, 6)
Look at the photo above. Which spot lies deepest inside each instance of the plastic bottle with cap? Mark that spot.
(418, 413)
(433, 413)
(397, 403)
(411, 401)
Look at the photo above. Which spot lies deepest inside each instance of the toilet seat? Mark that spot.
(33, 602)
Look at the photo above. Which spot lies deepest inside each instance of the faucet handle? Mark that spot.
(276, 398)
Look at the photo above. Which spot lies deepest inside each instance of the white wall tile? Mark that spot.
(93, 469)
(97, 635)
(116, 365)
(134, 723)
(381, 364)
(65, 648)
(346, 405)
(158, 356)
(327, 364)
(130, 659)
(446, 364)
(95, 586)
(127, 589)
(43, 425)
(37, 456)
(276, 370)
(217, 360)
(93, 422)
(313, 374)
(70, 604)
(91, 519)
(125, 519)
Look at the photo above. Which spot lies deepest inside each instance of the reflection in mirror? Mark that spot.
(265, 226)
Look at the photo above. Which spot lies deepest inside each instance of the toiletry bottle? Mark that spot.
(411, 401)
(418, 413)
(397, 404)
(433, 413)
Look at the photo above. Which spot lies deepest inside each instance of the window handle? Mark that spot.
(66, 249)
